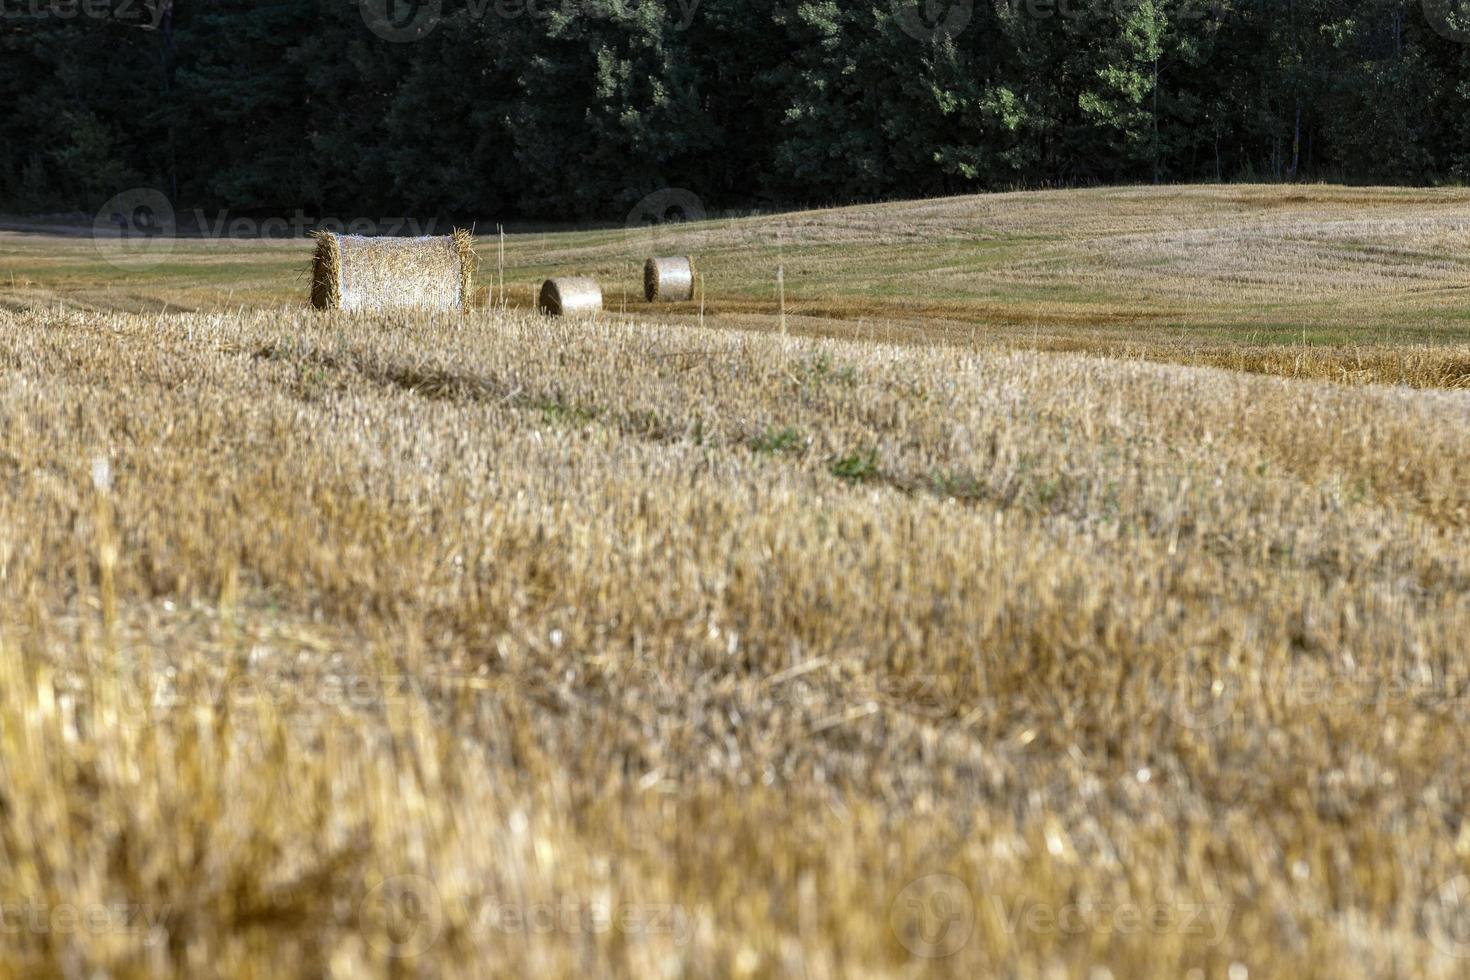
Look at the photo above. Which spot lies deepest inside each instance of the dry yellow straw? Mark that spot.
(353, 272)
(565, 297)
(670, 279)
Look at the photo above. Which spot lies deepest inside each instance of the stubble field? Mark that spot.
(978, 622)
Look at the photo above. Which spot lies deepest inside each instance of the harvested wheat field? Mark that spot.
(497, 644)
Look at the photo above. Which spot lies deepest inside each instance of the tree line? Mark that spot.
(578, 109)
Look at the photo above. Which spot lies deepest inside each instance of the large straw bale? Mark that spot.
(354, 272)
(669, 279)
(570, 296)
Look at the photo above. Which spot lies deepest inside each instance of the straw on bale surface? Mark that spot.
(354, 272)
(568, 296)
(669, 279)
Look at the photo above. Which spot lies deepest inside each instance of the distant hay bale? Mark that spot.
(566, 297)
(669, 279)
(354, 272)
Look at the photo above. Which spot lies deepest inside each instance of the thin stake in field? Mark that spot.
(781, 279)
(781, 294)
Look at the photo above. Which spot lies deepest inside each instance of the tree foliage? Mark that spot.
(579, 108)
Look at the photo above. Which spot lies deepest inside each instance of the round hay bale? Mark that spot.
(355, 272)
(570, 296)
(669, 279)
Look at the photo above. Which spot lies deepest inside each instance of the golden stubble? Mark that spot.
(498, 645)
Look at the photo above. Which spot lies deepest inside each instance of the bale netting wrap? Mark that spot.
(570, 296)
(355, 272)
(669, 279)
